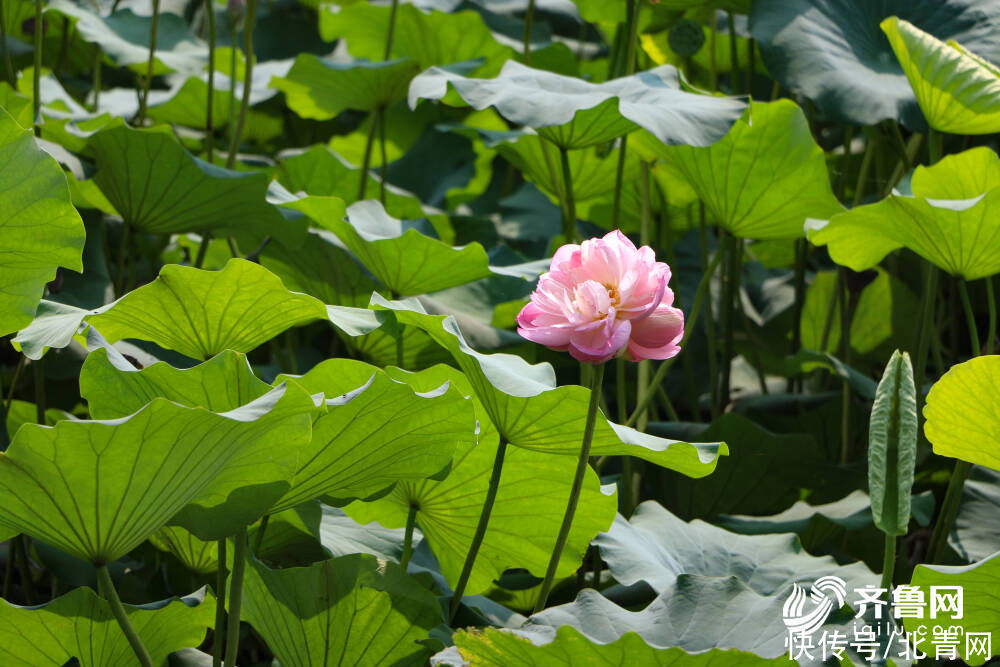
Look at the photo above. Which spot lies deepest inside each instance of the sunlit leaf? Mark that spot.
(355, 607)
(196, 555)
(39, 228)
(963, 412)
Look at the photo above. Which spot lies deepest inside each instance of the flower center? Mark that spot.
(613, 295)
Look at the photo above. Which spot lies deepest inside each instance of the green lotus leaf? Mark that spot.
(321, 89)
(341, 535)
(884, 314)
(405, 260)
(457, 37)
(197, 555)
(978, 520)
(253, 481)
(292, 537)
(573, 113)
(963, 412)
(492, 646)
(949, 220)
(980, 586)
(321, 268)
(533, 484)
(956, 90)
(124, 38)
(657, 547)
(39, 228)
(97, 489)
(160, 188)
(834, 53)
(80, 625)
(853, 512)
(765, 177)
(892, 446)
(376, 433)
(529, 411)
(357, 608)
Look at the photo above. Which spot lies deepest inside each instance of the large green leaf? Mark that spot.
(956, 90)
(834, 53)
(353, 610)
(124, 38)
(980, 586)
(656, 547)
(434, 38)
(529, 411)
(573, 113)
(978, 522)
(949, 220)
(39, 228)
(321, 89)
(963, 412)
(533, 486)
(491, 646)
(160, 188)
(199, 556)
(405, 260)
(252, 481)
(892, 446)
(80, 625)
(376, 433)
(765, 177)
(97, 489)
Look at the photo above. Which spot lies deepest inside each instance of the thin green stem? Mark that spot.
(411, 522)
(866, 165)
(970, 317)
(248, 26)
(734, 56)
(925, 332)
(385, 160)
(616, 205)
(477, 537)
(889, 562)
(8, 67)
(233, 64)
(933, 146)
(236, 595)
(209, 108)
(126, 240)
(392, 29)
(13, 382)
(991, 304)
(569, 221)
(713, 66)
(645, 238)
(147, 82)
(118, 609)
(24, 565)
(36, 96)
(846, 161)
(628, 493)
(689, 327)
(847, 303)
(367, 159)
(262, 528)
(98, 66)
(529, 20)
(220, 604)
(831, 310)
(730, 291)
(904, 151)
(574, 493)
(38, 370)
(206, 239)
(799, 285)
(937, 548)
(713, 360)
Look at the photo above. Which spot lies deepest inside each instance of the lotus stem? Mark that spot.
(392, 29)
(411, 520)
(477, 537)
(689, 327)
(24, 565)
(385, 160)
(992, 305)
(236, 594)
(632, 23)
(569, 201)
(713, 361)
(713, 66)
(529, 20)
(118, 609)
(846, 316)
(889, 563)
(628, 491)
(574, 493)
(262, 528)
(206, 239)
(148, 81)
(799, 282)
(734, 56)
(96, 85)
(36, 96)
(220, 604)
(730, 292)
(209, 108)
(8, 67)
(248, 26)
(645, 234)
(949, 510)
(866, 165)
(933, 146)
(233, 64)
(367, 160)
(970, 318)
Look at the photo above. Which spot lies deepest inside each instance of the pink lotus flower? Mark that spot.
(604, 297)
